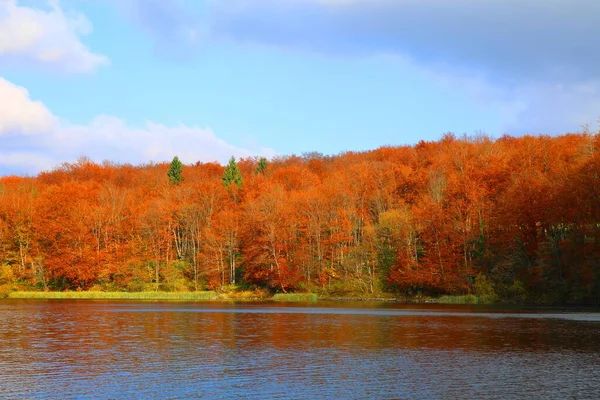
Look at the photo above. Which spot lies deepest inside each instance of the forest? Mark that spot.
(516, 218)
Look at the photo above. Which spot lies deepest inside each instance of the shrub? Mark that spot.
(6, 274)
(483, 286)
(516, 291)
(466, 299)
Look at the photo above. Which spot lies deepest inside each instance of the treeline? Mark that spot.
(517, 218)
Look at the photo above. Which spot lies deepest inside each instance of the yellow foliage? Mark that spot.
(7, 274)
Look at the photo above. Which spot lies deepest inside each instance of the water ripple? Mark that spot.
(166, 350)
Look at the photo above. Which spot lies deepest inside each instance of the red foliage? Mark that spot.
(428, 217)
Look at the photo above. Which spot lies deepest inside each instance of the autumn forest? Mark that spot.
(515, 218)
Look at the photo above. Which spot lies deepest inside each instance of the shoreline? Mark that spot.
(199, 296)
(248, 296)
(213, 296)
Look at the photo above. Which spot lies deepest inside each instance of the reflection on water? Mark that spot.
(96, 349)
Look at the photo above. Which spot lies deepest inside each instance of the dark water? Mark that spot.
(97, 349)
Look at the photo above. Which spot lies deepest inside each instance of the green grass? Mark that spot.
(298, 297)
(465, 299)
(208, 295)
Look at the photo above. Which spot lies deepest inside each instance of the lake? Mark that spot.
(101, 349)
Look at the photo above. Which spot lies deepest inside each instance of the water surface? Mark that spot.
(108, 349)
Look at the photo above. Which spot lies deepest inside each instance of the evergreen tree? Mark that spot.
(175, 171)
(262, 166)
(232, 174)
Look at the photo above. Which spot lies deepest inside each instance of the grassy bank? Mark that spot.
(235, 296)
(465, 299)
(208, 295)
(296, 297)
(192, 296)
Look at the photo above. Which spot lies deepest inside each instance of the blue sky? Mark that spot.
(136, 81)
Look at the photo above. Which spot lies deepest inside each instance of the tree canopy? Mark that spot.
(232, 174)
(512, 217)
(261, 168)
(175, 172)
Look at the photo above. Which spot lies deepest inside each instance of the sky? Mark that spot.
(140, 81)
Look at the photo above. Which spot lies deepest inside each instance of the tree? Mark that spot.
(262, 166)
(232, 174)
(175, 172)
(512, 216)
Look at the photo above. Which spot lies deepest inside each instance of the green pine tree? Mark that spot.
(232, 174)
(262, 166)
(175, 172)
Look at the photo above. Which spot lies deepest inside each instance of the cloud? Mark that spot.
(20, 115)
(34, 139)
(177, 26)
(527, 57)
(50, 38)
(534, 107)
(554, 108)
(510, 40)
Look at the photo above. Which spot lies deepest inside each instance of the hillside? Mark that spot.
(517, 218)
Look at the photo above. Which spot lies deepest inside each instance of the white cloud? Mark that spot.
(20, 115)
(553, 108)
(35, 140)
(32, 36)
(532, 107)
(23, 161)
